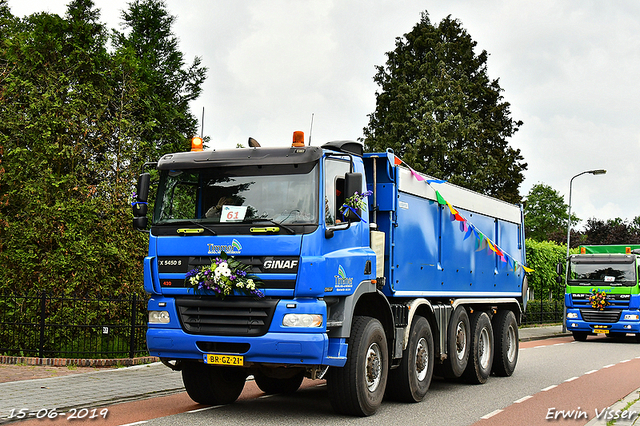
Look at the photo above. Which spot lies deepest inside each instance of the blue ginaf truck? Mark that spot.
(327, 263)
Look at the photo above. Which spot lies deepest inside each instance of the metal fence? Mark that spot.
(48, 326)
(543, 312)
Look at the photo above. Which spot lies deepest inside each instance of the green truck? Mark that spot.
(602, 294)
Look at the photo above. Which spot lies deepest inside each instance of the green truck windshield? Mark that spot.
(612, 274)
(286, 194)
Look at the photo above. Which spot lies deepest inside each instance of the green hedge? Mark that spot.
(543, 257)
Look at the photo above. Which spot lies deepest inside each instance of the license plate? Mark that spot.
(221, 359)
(600, 331)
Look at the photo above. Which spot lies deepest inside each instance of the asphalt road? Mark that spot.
(557, 374)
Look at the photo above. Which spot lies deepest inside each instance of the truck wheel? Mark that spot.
(580, 336)
(458, 344)
(271, 385)
(358, 388)
(410, 381)
(212, 385)
(481, 351)
(505, 336)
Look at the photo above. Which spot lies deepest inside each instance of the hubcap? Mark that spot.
(511, 342)
(422, 359)
(484, 348)
(461, 340)
(373, 367)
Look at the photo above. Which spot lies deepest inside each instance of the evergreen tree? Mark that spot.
(439, 111)
(72, 115)
(167, 85)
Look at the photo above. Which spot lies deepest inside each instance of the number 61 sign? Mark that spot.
(233, 213)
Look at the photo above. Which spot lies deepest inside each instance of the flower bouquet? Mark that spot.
(224, 276)
(598, 299)
(354, 203)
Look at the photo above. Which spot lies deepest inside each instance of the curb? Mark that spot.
(531, 338)
(79, 362)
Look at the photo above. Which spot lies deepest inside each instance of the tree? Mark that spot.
(613, 231)
(167, 85)
(545, 214)
(71, 113)
(439, 111)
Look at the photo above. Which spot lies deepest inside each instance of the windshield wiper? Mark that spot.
(193, 222)
(266, 219)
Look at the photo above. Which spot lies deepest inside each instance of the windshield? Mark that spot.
(613, 274)
(286, 194)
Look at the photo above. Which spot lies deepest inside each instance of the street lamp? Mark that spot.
(593, 172)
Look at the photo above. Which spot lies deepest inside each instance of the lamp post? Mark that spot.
(593, 172)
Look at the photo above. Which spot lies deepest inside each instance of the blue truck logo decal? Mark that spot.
(342, 282)
(234, 248)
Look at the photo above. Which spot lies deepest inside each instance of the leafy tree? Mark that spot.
(70, 114)
(167, 86)
(612, 231)
(545, 214)
(439, 111)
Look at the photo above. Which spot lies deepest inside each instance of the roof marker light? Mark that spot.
(196, 144)
(298, 139)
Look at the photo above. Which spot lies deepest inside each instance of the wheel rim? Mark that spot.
(484, 348)
(461, 340)
(373, 367)
(422, 359)
(511, 342)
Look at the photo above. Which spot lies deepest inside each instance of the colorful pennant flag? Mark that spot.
(482, 242)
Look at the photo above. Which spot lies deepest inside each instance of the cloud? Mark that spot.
(568, 69)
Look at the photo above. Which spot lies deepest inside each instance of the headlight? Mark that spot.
(632, 317)
(572, 315)
(302, 320)
(159, 317)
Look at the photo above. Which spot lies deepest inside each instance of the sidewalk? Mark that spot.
(88, 390)
(98, 388)
(542, 332)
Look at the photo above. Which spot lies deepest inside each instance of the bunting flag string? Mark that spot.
(482, 242)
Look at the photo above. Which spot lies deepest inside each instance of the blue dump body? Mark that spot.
(418, 252)
(431, 254)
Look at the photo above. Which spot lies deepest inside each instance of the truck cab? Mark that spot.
(602, 293)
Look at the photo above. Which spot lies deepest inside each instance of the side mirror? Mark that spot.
(139, 206)
(143, 187)
(352, 184)
(560, 268)
(140, 223)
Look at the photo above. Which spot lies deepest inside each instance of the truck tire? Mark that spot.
(481, 351)
(410, 381)
(357, 388)
(505, 337)
(580, 336)
(271, 385)
(213, 385)
(458, 344)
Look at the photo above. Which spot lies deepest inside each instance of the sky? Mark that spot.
(569, 70)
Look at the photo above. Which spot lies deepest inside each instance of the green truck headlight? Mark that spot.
(159, 317)
(302, 320)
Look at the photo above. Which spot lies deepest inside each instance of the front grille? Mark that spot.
(229, 317)
(595, 315)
